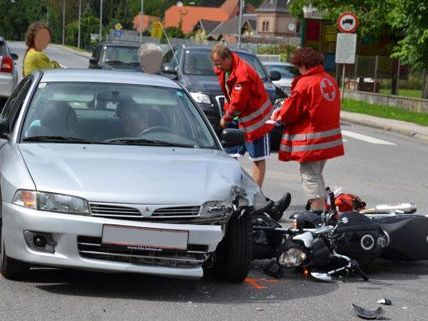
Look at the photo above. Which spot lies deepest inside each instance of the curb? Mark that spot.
(411, 132)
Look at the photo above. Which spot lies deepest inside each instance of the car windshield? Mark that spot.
(103, 113)
(286, 71)
(120, 55)
(198, 62)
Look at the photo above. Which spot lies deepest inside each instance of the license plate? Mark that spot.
(145, 237)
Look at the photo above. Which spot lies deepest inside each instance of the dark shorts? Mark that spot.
(258, 149)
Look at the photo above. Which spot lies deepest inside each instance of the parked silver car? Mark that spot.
(288, 72)
(117, 171)
(8, 71)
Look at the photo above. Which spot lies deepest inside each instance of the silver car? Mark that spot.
(288, 72)
(116, 171)
(8, 71)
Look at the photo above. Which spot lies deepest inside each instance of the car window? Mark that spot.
(15, 101)
(117, 54)
(198, 62)
(107, 113)
(3, 49)
(286, 71)
(254, 62)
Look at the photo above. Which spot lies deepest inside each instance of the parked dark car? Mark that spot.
(192, 67)
(115, 56)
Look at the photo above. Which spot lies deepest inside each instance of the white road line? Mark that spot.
(366, 138)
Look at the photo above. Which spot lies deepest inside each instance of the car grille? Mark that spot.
(184, 211)
(126, 212)
(104, 210)
(92, 248)
(221, 100)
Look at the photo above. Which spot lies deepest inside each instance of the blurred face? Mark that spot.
(224, 64)
(42, 39)
(303, 70)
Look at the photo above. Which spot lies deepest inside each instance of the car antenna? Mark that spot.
(169, 44)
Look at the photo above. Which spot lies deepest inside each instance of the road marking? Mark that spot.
(366, 138)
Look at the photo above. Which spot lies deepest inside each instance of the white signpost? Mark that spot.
(346, 43)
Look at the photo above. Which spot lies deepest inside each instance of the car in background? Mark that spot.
(115, 56)
(287, 70)
(8, 71)
(119, 171)
(191, 66)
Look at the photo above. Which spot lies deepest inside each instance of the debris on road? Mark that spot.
(384, 301)
(368, 314)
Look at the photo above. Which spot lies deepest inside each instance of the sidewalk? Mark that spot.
(395, 126)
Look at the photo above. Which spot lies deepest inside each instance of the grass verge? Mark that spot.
(412, 93)
(383, 111)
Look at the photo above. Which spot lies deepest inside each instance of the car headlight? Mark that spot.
(291, 258)
(51, 202)
(216, 209)
(200, 98)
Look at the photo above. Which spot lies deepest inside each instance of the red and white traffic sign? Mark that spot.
(347, 22)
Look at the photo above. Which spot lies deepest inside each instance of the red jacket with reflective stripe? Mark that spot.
(312, 118)
(247, 98)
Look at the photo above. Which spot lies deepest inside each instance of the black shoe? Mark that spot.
(280, 206)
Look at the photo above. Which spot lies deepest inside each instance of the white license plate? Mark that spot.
(145, 237)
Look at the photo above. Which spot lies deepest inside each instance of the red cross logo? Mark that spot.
(327, 89)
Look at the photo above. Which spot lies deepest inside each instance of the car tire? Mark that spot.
(234, 253)
(10, 268)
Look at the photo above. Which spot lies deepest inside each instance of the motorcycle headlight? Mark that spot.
(216, 209)
(200, 98)
(51, 202)
(291, 258)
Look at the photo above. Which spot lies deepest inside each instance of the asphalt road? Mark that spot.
(381, 167)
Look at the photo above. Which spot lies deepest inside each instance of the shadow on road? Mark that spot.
(257, 288)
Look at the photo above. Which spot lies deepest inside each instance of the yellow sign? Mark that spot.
(156, 29)
(330, 33)
(118, 26)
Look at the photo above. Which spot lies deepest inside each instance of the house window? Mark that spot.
(265, 26)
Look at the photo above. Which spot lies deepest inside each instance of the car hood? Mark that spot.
(135, 174)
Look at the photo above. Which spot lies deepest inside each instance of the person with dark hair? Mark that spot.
(37, 39)
(311, 116)
(246, 100)
(248, 103)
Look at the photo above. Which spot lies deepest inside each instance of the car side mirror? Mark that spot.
(274, 75)
(14, 56)
(231, 137)
(169, 68)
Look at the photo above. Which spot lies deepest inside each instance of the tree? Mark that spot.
(404, 20)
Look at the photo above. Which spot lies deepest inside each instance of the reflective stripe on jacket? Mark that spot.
(312, 119)
(247, 99)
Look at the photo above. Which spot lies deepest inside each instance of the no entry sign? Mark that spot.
(347, 22)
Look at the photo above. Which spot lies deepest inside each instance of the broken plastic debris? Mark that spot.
(368, 314)
(384, 301)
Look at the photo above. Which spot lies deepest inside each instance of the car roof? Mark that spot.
(276, 63)
(106, 76)
(120, 44)
(209, 49)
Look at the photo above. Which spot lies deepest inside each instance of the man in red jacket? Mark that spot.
(311, 116)
(247, 100)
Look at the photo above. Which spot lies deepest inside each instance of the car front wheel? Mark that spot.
(234, 253)
(10, 268)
